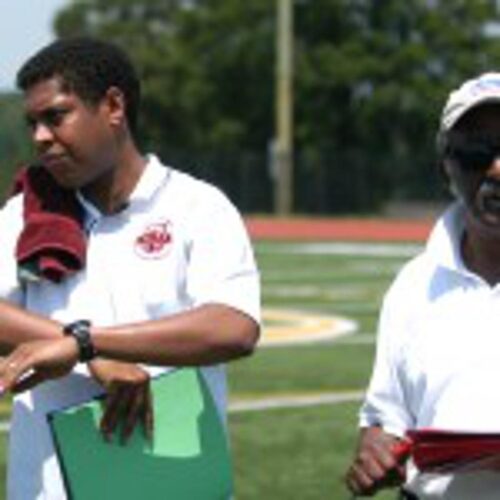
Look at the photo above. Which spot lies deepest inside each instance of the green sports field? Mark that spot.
(301, 453)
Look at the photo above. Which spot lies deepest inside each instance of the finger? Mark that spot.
(137, 412)
(12, 369)
(115, 404)
(371, 474)
(112, 409)
(359, 482)
(384, 455)
(29, 381)
(369, 464)
(386, 465)
(351, 483)
(148, 416)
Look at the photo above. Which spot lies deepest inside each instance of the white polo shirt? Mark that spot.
(179, 244)
(438, 357)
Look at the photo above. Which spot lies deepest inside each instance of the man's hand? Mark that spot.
(34, 362)
(128, 400)
(378, 463)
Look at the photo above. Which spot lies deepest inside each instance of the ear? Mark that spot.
(114, 102)
(446, 171)
(446, 167)
(443, 169)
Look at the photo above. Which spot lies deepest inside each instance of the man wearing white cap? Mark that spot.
(438, 350)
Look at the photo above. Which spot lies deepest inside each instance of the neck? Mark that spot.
(112, 190)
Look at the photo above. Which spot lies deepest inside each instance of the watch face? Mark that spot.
(80, 331)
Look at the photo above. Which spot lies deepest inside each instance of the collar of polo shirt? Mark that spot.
(152, 179)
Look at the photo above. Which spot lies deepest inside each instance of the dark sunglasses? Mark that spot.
(477, 155)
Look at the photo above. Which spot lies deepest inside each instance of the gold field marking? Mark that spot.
(283, 326)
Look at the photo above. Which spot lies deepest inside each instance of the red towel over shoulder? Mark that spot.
(52, 244)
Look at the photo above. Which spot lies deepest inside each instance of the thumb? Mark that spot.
(29, 381)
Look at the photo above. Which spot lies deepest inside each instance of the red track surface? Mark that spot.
(304, 229)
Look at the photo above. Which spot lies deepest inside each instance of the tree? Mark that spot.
(206, 65)
(371, 78)
(14, 144)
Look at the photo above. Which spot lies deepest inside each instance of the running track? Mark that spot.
(339, 229)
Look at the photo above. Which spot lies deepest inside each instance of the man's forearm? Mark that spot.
(18, 325)
(207, 335)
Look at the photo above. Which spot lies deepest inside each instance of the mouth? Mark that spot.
(489, 198)
(52, 160)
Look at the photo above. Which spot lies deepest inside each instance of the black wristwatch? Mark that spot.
(80, 331)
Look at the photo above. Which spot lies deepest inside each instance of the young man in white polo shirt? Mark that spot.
(437, 362)
(169, 280)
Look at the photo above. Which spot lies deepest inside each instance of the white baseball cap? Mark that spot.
(485, 88)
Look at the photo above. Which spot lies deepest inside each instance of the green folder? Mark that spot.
(188, 460)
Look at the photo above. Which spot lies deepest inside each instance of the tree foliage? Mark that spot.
(206, 65)
(371, 77)
(14, 147)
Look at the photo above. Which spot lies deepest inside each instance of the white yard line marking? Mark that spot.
(291, 401)
(350, 249)
(275, 402)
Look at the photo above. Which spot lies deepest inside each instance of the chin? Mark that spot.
(66, 183)
(62, 178)
(488, 223)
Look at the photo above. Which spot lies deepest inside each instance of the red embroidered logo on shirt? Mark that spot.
(155, 241)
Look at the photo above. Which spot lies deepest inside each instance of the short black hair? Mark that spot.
(88, 67)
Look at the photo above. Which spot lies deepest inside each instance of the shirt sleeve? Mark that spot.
(10, 227)
(222, 267)
(385, 402)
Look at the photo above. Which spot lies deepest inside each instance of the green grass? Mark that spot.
(294, 454)
(303, 452)
(323, 367)
(3, 454)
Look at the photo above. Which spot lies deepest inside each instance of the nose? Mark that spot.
(494, 168)
(42, 134)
